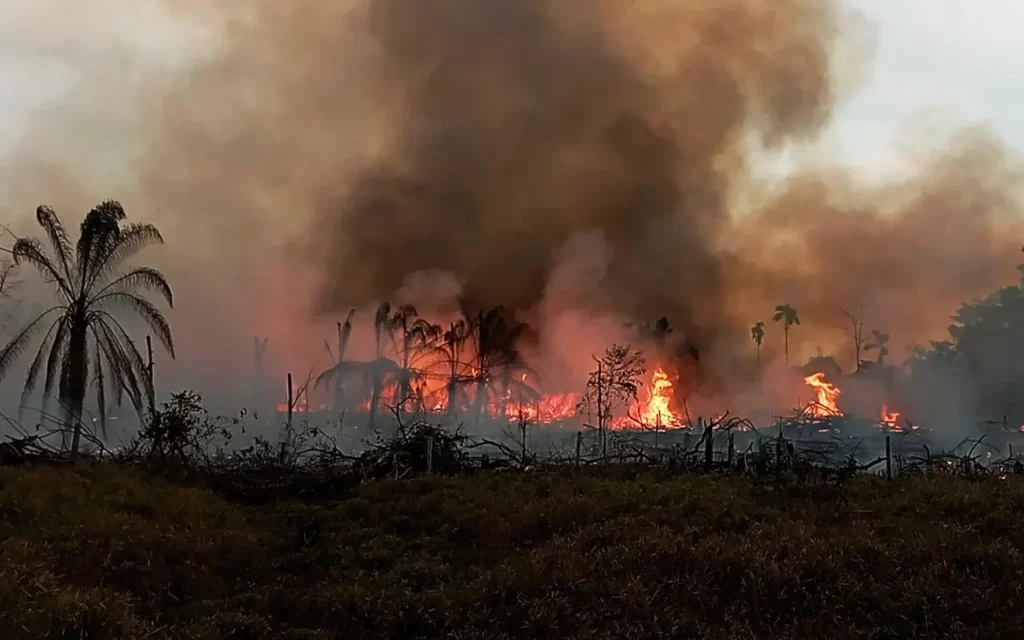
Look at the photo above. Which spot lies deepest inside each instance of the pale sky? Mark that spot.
(958, 61)
(963, 59)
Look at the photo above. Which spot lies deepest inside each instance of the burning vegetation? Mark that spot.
(539, 179)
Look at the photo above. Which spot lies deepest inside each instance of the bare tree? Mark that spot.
(613, 385)
(855, 329)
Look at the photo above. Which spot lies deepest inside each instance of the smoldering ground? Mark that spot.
(303, 159)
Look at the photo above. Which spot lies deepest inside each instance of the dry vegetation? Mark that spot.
(102, 551)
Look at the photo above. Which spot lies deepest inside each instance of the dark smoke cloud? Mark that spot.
(526, 121)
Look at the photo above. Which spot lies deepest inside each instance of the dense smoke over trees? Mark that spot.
(329, 154)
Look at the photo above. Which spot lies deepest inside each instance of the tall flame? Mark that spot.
(824, 405)
(657, 410)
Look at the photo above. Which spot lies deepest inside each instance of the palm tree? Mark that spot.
(456, 371)
(381, 367)
(340, 366)
(881, 340)
(84, 336)
(757, 333)
(414, 336)
(788, 315)
(495, 354)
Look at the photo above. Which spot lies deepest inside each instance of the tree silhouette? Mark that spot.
(84, 336)
(493, 336)
(880, 342)
(788, 315)
(856, 332)
(613, 385)
(381, 368)
(450, 351)
(413, 338)
(335, 375)
(757, 334)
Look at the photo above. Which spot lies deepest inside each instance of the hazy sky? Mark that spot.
(949, 60)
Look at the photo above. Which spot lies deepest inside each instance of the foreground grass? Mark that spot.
(103, 552)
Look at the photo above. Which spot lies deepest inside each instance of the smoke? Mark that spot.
(583, 163)
(522, 123)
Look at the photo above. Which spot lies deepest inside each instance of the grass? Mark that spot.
(106, 552)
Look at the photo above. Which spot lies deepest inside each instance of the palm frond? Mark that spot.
(18, 343)
(53, 360)
(146, 310)
(37, 363)
(144, 277)
(131, 239)
(31, 251)
(51, 224)
(32, 376)
(116, 364)
(123, 355)
(100, 233)
(101, 394)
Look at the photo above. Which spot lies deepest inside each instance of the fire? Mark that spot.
(891, 419)
(824, 405)
(552, 407)
(657, 410)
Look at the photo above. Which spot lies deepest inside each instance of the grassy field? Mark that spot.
(104, 552)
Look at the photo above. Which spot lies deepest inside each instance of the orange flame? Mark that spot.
(654, 411)
(891, 419)
(657, 411)
(552, 407)
(824, 405)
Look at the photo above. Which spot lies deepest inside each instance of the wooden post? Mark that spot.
(600, 414)
(732, 447)
(430, 454)
(149, 374)
(888, 459)
(579, 443)
(709, 443)
(394, 461)
(291, 407)
(778, 454)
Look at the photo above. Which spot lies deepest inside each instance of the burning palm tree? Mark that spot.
(788, 315)
(85, 336)
(496, 356)
(450, 351)
(414, 337)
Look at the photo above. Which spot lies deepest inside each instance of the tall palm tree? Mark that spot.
(880, 343)
(788, 315)
(757, 333)
(83, 335)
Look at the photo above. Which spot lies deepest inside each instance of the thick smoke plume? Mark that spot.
(305, 158)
